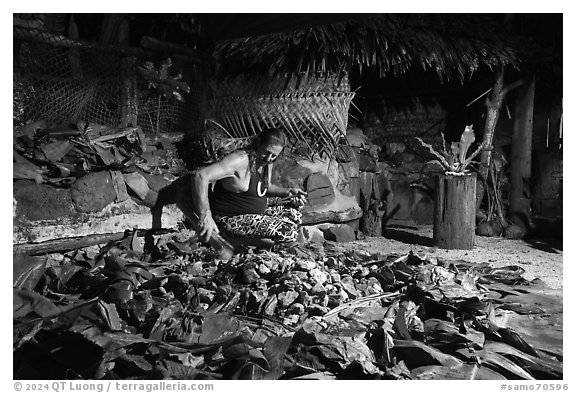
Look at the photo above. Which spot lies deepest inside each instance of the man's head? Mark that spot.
(269, 144)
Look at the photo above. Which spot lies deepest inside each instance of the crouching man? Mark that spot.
(237, 206)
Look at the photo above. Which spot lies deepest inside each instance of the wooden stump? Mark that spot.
(454, 211)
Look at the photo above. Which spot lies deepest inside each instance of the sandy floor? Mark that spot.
(539, 258)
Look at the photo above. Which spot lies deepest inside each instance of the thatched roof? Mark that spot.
(454, 45)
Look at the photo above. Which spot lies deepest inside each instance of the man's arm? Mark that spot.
(277, 191)
(229, 166)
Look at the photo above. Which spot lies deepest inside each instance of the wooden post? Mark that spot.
(521, 157)
(129, 93)
(455, 211)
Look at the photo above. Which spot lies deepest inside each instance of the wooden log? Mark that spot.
(64, 245)
(454, 211)
(73, 243)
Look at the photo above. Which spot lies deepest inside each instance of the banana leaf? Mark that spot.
(275, 350)
(324, 376)
(110, 315)
(498, 362)
(513, 339)
(416, 354)
(56, 150)
(26, 301)
(27, 270)
(438, 330)
(464, 372)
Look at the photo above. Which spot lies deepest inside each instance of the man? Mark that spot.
(238, 202)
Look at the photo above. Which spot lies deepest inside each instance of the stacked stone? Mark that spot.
(371, 185)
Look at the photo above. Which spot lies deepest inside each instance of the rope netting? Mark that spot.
(62, 82)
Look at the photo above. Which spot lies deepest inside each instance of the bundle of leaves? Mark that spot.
(172, 310)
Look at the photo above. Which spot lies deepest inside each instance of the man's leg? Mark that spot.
(258, 225)
(285, 213)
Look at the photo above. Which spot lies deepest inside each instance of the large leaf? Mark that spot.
(500, 363)
(542, 333)
(218, 328)
(324, 376)
(513, 339)
(547, 367)
(159, 77)
(26, 301)
(110, 315)
(445, 331)
(27, 270)
(275, 350)
(417, 354)
(56, 150)
(179, 371)
(465, 371)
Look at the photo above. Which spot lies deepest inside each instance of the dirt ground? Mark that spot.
(540, 258)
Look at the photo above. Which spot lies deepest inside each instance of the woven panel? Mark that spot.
(404, 124)
(311, 111)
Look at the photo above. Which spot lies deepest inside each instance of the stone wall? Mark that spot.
(391, 186)
(353, 194)
(330, 195)
(363, 189)
(101, 201)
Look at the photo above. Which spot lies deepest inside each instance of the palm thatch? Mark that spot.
(451, 44)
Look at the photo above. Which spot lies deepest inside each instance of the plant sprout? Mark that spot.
(455, 162)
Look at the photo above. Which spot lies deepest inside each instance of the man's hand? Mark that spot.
(207, 226)
(297, 196)
(295, 191)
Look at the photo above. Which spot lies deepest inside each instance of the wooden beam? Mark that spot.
(521, 157)
(35, 35)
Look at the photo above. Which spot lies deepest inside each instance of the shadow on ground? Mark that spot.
(546, 234)
(407, 237)
(551, 245)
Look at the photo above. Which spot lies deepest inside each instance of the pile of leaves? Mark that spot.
(58, 155)
(162, 307)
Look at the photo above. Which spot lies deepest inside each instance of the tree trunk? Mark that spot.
(493, 105)
(454, 211)
(521, 159)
